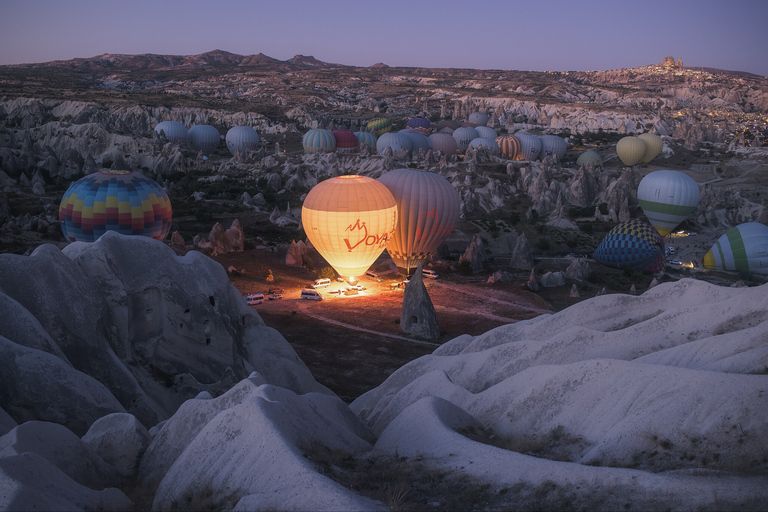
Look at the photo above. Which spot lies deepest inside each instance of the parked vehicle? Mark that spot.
(311, 295)
(275, 296)
(357, 287)
(320, 283)
(254, 298)
(351, 291)
(275, 289)
(430, 274)
(372, 274)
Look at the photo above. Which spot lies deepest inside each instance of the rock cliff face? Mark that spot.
(123, 324)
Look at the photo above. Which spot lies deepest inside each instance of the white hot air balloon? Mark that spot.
(479, 119)
(530, 146)
(204, 138)
(486, 132)
(554, 146)
(174, 131)
(667, 198)
(743, 248)
(428, 209)
(242, 138)
(464, 135)
(393, 140)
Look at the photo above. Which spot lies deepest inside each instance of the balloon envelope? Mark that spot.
(653, 145)
(633, 244)
(418, 140)
(428, 208)
(554, 146)
(590, 156)
(509, 146)
(174, 131)
(743, 248)
(394, 140)
(444, 143)
(242, 138)
(421, 124)
(464, 135)
(630, 150)
(530, 146)
(379, 126)
(346, 141)
(478, 118)
(366, 139)
(349, 220)
(319, 141)
(482, 142)
(204, 138)
(486, 132)
(667, 198)
(122, 201)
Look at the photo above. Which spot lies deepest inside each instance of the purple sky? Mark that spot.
(484, 34)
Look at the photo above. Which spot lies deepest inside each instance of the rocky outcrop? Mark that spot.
(475, 254)
(417, 315)
(120, 440)
(295, 255)
(552, 279)
(578, 270)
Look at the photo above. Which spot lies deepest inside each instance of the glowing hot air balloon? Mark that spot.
(428, 208)
(742, 248)
(653, 145)
(349, 220)
(630, 150)
(667, 198)
(633, 244)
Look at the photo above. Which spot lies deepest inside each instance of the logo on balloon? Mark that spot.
(365, 238)
(436, 229)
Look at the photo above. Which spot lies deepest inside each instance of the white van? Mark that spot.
(319, 283)
(431, 274)
(311, 295)
(372, 274)
(254, 298)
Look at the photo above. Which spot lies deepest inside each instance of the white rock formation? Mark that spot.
(120, 440)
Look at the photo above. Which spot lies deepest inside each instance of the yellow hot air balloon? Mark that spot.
(653, 145)
(630, 150)
(349, 220)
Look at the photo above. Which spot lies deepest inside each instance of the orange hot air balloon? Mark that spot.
(349, 220)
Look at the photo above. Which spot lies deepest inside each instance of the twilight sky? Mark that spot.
(483, 34)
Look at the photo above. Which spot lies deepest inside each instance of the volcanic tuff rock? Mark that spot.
(151, 327)
(417, 315)
(475, 254)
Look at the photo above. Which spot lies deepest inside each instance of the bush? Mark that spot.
(326, 273)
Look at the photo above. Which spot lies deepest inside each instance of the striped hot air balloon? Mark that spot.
(420, 124)
(123, 201)
(379, 126)
(319, 141)
(509, 146)
(743, 248)
(667, 198)
(633, 244)
(630, 150)
(366, 139)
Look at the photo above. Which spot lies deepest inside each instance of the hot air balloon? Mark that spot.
(420, 124)
(242, 138)
(653, 145)
(366, 139)
(174, 131)
(486, 132)
(379, 126)
(346, 141)
(630, 150)
(204, 138)
(590, 156)
(428, 208)
(123, 201)
(418, 140)
(743, 248)
(482, 142)
(464, 135)
(393, 140)
(530, 146)
(509, 146)
(554, 146)
(444, 143)
(318, 141)
(446, 126)
(633, 244)
(478, 118)
(349, 220)
(667, 198)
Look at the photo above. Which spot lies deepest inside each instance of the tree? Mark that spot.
(326, 273)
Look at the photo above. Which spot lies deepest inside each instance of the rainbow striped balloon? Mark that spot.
(122, 201)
